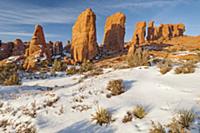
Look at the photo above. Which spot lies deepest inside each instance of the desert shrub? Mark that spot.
(86, 66)
(139, 112)
(188, 67)
(157, 128)
(165, 66)
(57, 65)
(9, 74)
(186, 117)
(139, 57)
(12, 80)
(94, 72)
(102, 116)
(116, 87)
(71, 71)
(128, 117)
(174, 127)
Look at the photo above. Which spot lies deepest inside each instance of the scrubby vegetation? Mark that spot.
(9, 74)
(128, 117)
(165, 66)
(139, 112)
(116, 87)
(188, 67)
(71, 70)
(139, 57)
(102, 116)
(86, 66)
(186, 117)
(157, 128)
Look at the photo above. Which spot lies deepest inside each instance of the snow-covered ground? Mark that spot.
(65, 105)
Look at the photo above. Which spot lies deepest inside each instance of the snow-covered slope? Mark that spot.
(67, 104)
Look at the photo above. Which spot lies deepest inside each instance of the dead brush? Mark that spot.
(116, 87)
(165, 66)
(102, 116)
(128, 117)
(138, 57)
(139, 112)
(175, 127)
(157, 128)
(188, 67)
(186, 117)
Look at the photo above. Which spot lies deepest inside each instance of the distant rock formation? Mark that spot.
(6, 50)
(114, 33)
(37, 49)
(164, 31)
(140, 33)
(84, 42)
(57, 48)
(18, 48)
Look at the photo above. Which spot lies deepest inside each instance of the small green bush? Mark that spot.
(71, 71)
(86, 66)
(9, 74)
(57, 65)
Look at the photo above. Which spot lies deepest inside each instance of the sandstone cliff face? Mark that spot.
(114, 33)
(18, 48)
(151, 31)
(140, 33)
(37, 49)
(84, 42)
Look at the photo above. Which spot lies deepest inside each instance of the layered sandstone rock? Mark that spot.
(151, 31)
(114, 33)
(37, 49)
(6, 50)
(140, 33)
(164, 31)
(84, 42)
(57, 48)
(18, 48)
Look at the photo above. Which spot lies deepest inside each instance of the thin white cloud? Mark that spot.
(25, 34)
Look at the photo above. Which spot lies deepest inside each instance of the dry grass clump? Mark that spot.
(157, 128)
(186, 117)
(188, 67)
(139, 57)
(71, 71)
(102, 116)
(9, 74)
(139, 112)
(128, 117)
(182, 123)
(116, 87)
(86, 66)
(165, 66)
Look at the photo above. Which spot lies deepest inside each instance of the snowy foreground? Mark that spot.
(66, 105)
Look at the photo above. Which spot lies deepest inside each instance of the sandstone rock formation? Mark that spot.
(37, 49)
(84, 42)
(151, 31)
(57, 48)
(140, 33)
(18, 48)
(114, 33)
(6, 50)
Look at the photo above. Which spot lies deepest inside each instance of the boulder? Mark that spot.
(140, 33)
(84, 42)
(114, 33)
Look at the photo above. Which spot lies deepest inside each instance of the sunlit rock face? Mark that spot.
(84, 42)
(114, 33)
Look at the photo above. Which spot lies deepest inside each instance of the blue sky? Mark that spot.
(18, 17)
